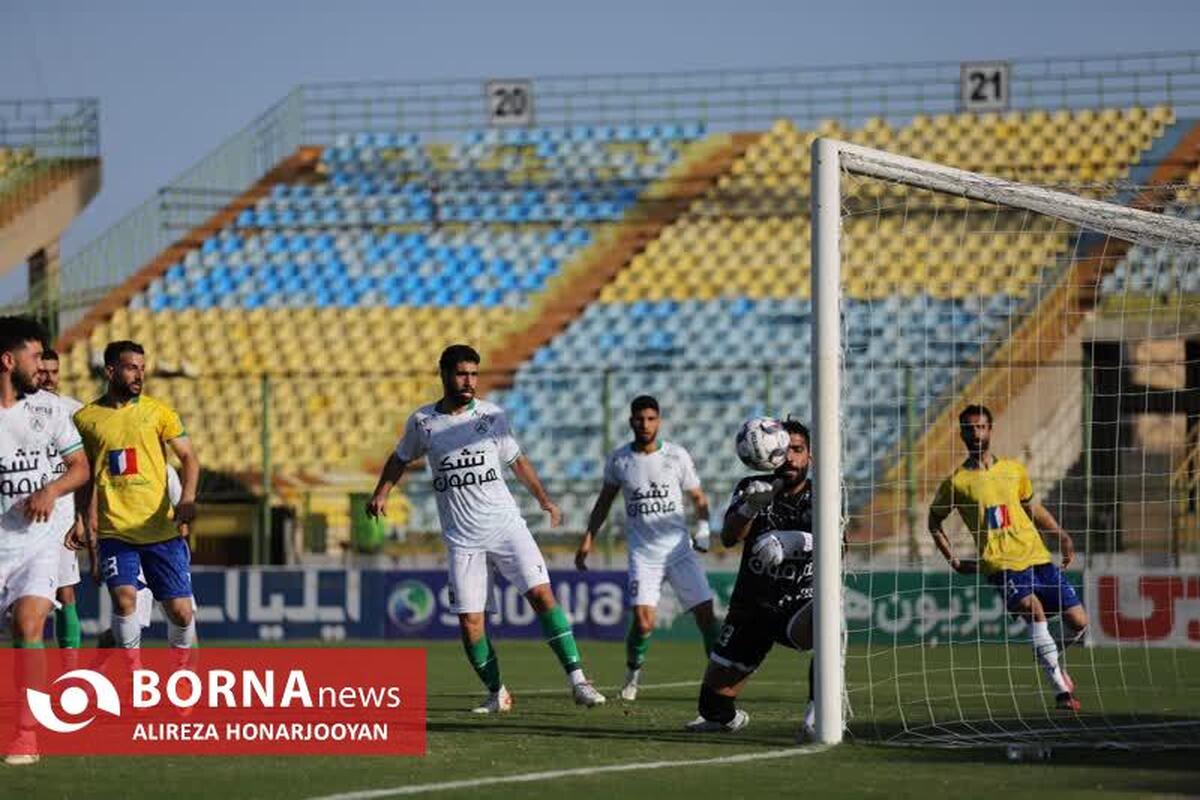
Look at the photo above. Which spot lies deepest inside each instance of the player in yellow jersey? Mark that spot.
(994, 497)
(126, 435)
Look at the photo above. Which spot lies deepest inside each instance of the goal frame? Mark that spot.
(830, 158)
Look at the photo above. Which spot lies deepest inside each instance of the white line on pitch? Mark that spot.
(532, 777)
(610, 687)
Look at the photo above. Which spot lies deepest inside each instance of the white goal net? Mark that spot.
(1073, 316)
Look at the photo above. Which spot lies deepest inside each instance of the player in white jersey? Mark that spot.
(654, 475)
(66, 617)
(33, 435)
(467, 443)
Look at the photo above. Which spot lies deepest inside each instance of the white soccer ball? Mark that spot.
(762, 444)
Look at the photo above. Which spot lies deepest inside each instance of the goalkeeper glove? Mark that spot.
(768, 550)
(702, 537)
(774, 547)
(755, 497)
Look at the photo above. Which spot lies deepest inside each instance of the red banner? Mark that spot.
(223, 701)
(1144, 608)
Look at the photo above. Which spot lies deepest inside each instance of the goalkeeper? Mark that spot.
(994, 497)
(772, 598)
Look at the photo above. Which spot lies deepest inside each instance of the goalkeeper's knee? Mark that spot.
(716, 707)
(1073, 636)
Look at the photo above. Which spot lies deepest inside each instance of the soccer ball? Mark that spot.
(762, 444)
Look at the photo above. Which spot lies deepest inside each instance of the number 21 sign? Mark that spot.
(984, 86)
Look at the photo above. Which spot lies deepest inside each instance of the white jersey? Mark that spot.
(466, 454)
(34, 435)
(653, 485)
(64, 507)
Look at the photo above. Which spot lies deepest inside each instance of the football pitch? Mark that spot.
(638, 750)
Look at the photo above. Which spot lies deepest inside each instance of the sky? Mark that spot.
(176, 79)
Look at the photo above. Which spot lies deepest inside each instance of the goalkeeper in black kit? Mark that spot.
(771, 515)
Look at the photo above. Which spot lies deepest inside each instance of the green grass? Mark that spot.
(547, 732)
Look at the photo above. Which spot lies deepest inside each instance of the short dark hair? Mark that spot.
(114, 351)
(796, 427)
(641, 403)
(456, 354)
(49, 354)
(15, 332)
(974, 410)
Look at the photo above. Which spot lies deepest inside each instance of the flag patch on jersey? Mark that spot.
(998, 517)
(122, 462)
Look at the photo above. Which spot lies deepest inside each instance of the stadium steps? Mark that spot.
(38, 207)
(292, 169)
(568, 294)
(1039, 339)
(580, 284)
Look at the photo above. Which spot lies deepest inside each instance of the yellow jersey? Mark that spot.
(126, 447)
(990, 502)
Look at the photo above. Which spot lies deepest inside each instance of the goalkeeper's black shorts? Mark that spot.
(749, 634)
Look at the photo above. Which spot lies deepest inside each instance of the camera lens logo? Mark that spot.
(74, 701)
(411, 605)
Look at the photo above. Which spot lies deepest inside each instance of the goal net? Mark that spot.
(1073, 315)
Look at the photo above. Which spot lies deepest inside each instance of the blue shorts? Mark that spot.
(1045, 581)
(166, 566)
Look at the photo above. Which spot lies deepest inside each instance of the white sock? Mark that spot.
(127, 631)
(1045, 651)
(184, 637)
(576, 677)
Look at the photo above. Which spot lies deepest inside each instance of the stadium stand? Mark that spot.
(433, 242)
(720, 286)
(365, 267)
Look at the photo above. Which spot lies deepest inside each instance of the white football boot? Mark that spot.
(587, 695)
(630, 689)
(498, 702)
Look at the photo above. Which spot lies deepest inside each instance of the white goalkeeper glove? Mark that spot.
(774, 547)
(768, 550)
(702, 536)
(755, 497)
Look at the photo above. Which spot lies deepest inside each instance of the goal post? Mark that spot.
(1082, 229)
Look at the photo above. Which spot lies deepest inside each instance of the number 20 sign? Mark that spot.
(984, 86)
(509, 102)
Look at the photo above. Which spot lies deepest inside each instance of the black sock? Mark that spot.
(716, 707)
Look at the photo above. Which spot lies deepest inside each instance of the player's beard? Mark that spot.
(791, 478)
(25, 383)
(129, 390)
